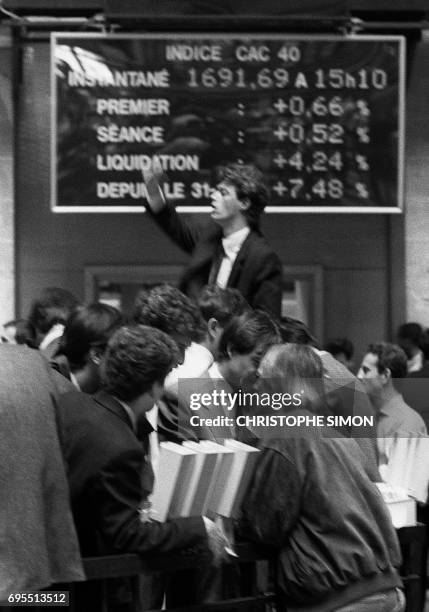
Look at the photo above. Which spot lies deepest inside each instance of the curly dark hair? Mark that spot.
(167, 308)
(412, 332)
(249, 185)
(53, 305)
(137, 356)
(221, 304)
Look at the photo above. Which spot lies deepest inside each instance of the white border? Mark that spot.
(269, 209)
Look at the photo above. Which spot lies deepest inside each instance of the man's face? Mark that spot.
(371, 378)
(242, 368)
(226, 205)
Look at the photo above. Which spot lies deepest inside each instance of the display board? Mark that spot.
(321, 116)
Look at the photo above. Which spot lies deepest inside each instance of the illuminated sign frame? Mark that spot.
(171, 38)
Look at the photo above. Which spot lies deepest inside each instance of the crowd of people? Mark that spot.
(92, 392)
(88, 393)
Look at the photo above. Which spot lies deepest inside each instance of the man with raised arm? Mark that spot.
(229, 250)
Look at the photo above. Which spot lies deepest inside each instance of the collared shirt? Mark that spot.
(415, 364)
(55, 332)
(197, 360)
(74, 381)
(231, 246)
(214, 372)
(396, 418)
(152, 418)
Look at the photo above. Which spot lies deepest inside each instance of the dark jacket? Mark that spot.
(109, 480)
(312, 499)
(105, 466)
(257, 270)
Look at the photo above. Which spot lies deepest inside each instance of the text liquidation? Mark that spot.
(130, 163)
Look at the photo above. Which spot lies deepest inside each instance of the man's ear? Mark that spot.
(387, 375)
(95, 356)
(244, 204)
(229, 352)
(156, 390)
(213, 327)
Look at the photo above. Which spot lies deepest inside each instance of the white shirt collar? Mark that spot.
(233, 243)
(214, 371)
(415, 363)
(55, 332)
(197, 360)
(74, 381)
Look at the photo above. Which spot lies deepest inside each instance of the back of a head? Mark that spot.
(221, 304)
(168, 309)
(412, 332)
(295, 368)
(137, 356)
(296, 332)
(254, 329)
(90, 327)
(249, 185)
(53, 305)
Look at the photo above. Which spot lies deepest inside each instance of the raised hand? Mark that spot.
(155, 196)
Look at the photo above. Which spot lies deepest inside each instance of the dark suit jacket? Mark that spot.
(257, 270)
(107, 473)
(109, 479)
